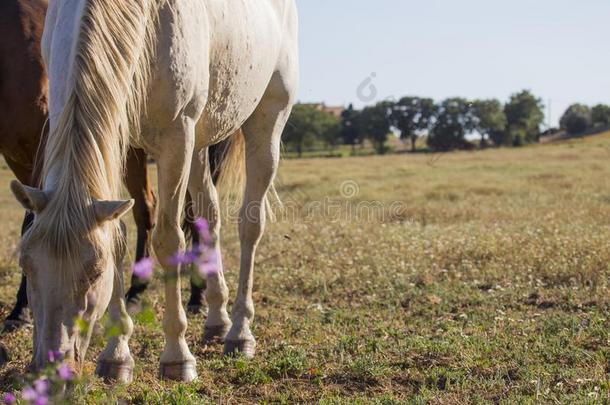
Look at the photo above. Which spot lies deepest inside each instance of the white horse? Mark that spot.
(174, 77)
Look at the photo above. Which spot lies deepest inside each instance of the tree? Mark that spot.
(600, 115)
(411, 116)
(524, 114)
(375, 123)
(331, 134)
(576, 119)
(350, 132)
(501, 138)
(453, 121)
(306, 125)
(489, 121)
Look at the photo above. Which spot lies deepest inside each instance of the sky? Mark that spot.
(364, 51)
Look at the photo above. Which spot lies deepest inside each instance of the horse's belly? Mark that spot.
(231, 100)
(244, 48)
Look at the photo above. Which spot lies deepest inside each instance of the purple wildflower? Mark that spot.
(185, 258)
(178, 259)
(202, 226)
(65, 372)
(209, 263)
(203, 255)
(144, 268)
(38, 394)
(207, 258)
(9, 398)
(55, 356)
(29, 394)
(41, 386)
(195, 252)
(207, 269)
(41, 400)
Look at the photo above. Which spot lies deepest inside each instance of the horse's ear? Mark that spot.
(111, 210)
(32, 199)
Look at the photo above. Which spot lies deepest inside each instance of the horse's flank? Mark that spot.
(23, 85)
(86, 150)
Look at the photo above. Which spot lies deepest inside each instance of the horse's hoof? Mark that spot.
(245, 348)
(134, 307)
(121, 373)
(11, 325)
(17, 321)
(215, 334)
(180, 371)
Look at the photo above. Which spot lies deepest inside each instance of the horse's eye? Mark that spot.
(93, 271)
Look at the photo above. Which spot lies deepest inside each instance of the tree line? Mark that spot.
(451, 124)
(580, 118)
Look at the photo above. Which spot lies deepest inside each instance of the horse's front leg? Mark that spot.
(115, 362)
(173, 161)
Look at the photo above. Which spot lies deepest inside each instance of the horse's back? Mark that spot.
(245, 53)
(231, 52)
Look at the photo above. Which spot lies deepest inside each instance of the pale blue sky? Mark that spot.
(559, 49)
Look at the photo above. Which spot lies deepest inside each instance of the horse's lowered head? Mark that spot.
(70, 282)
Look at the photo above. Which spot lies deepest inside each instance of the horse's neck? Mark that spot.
(79, 52)
(59, 49)
(52, 178)
(59, 46)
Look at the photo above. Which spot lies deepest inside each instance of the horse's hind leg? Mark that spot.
(197, 302)
(262, 133)
(206, 205)
(140, 189)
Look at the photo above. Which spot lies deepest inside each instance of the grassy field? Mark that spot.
(462, 278)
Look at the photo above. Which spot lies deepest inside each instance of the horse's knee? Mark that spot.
(167, 240)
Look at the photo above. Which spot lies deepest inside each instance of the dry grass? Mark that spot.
(475, 278)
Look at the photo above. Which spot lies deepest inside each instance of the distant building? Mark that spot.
(335, 111)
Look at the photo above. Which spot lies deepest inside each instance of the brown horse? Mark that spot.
(23, 113)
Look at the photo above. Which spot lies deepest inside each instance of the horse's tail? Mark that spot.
(228, 161)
